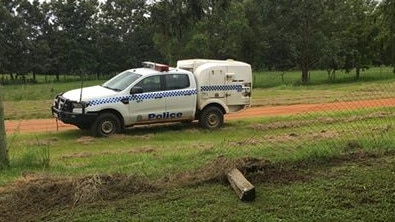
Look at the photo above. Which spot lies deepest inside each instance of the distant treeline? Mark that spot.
(92, 37)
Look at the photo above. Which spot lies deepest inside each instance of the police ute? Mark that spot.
(197, 89)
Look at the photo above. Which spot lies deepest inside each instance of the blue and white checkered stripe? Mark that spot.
(237, 88)
(143, 96)
(106, 100)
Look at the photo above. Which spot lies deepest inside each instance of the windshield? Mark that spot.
(121, 81)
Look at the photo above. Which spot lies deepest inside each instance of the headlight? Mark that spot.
(79, 105)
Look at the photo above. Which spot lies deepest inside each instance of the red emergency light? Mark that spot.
(161, 67)
(156, 66)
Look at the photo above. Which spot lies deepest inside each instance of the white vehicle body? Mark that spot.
(196, 89)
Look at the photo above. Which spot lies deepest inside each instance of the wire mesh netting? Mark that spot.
(347, 125)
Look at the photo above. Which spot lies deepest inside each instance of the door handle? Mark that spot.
(158, 97)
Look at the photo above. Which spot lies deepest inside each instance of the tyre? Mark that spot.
(106, 124)
(211, 118)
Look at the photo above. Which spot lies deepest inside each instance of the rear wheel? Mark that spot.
(211, 118)
(106, 124)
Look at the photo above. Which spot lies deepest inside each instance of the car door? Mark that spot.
(148, 105)
(180, 96)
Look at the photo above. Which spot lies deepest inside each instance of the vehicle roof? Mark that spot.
(149, 71)
(193, 64)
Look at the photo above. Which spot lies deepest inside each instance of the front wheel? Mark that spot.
(211, 118)
(106, 124)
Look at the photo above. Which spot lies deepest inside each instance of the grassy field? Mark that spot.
(331, 166)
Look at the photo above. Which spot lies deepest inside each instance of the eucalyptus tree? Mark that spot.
(34, 21)
(124, 35)
(350, 35)
(334, 46)
(359, 35)
(174, 21)
(4, 47)
(294, 31)
(223, 32)
(202, 28)
(70, 35)
(255, 45)
(387, 37)
(15, 32)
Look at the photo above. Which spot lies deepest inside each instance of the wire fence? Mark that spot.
(350, 126)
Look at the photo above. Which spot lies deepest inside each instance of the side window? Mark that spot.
(150, 84)
(177, 81)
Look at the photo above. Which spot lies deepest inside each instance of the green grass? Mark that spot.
(327, 180)
(331, 166)
(341, 192)
(156, 150)
(268, 79)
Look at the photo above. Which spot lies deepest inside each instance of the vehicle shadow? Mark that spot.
(160, 127)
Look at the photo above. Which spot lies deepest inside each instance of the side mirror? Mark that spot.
(136, 90)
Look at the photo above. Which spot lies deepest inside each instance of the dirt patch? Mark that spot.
(77, 155)
(85, 140)
(37, 193)
(89, 154)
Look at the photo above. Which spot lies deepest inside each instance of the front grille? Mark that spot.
(63, 104)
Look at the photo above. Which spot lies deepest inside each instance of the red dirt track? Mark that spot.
(51, 125)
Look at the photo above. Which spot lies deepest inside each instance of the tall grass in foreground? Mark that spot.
(34, 157)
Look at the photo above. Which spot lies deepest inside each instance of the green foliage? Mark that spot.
(103, 37)
(36, 156)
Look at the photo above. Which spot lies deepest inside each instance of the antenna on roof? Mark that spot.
(82, 85)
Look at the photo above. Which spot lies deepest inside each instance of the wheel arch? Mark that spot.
(213, 104)
(217, 103)
(116, 113)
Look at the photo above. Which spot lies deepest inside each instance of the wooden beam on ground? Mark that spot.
(243, 188)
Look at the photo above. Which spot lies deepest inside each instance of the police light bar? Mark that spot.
(161, 67)
(156, 66)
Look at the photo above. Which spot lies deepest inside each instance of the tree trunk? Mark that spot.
(3, 144)
(305, 73)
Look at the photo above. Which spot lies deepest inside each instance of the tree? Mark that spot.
(16, 34)
(387, 37)
(221, 33)
(71, 35)
(3, 144)
(173, 22)
(204, 28)
(359, 35)
(254, 45)
(293, 30)
(124, 35)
